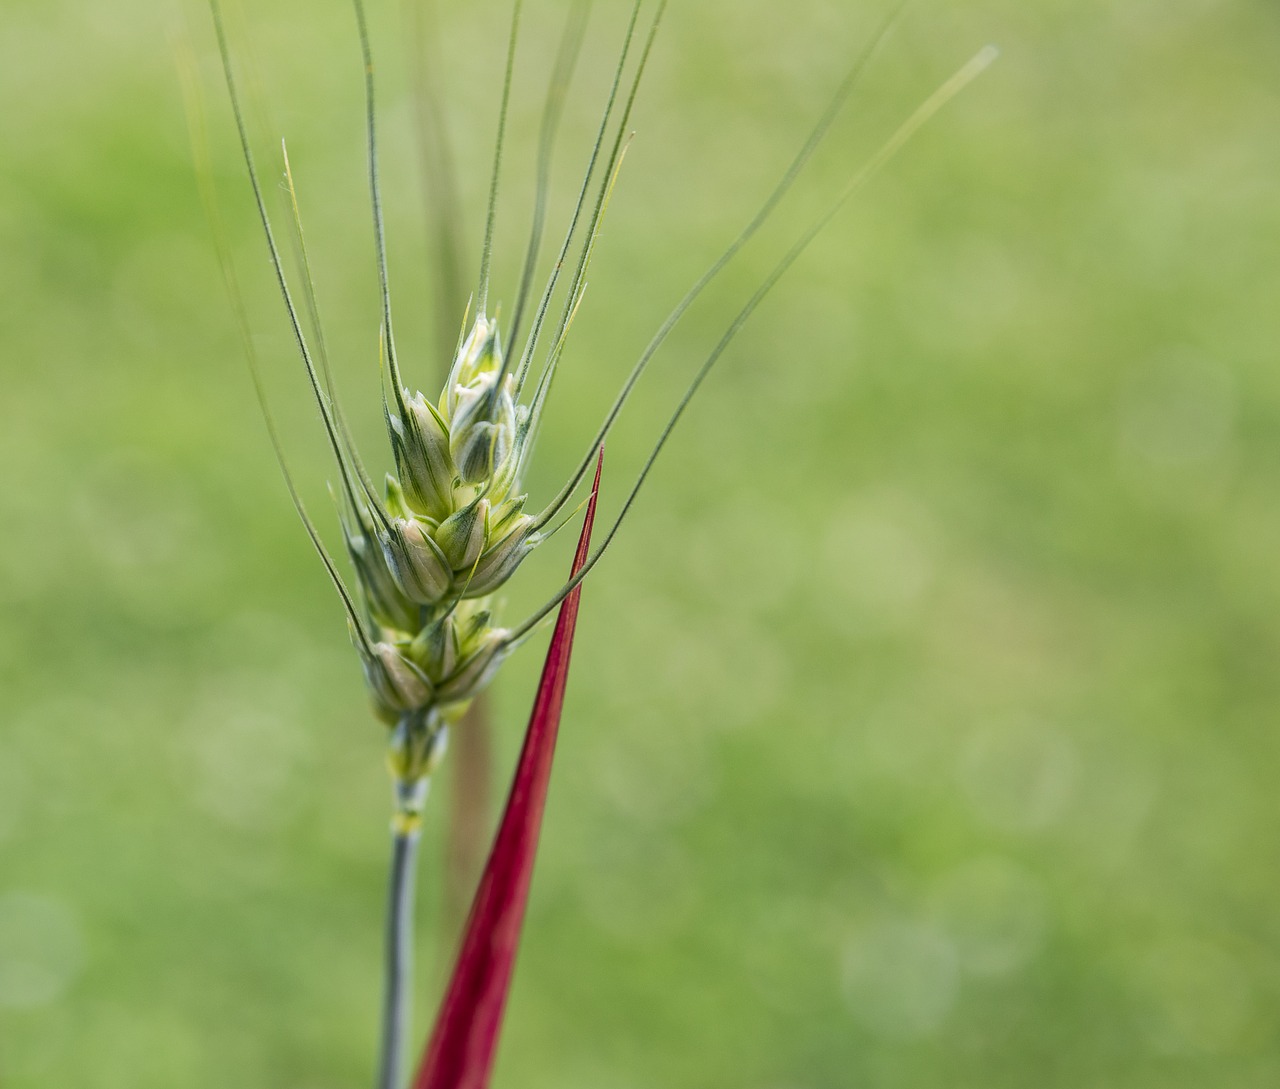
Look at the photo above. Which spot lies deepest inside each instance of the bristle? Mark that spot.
(375, 200)
(610, 170)
(566, 60)
(442, 204)
(277, 265)
(486, 253)
(526, 355)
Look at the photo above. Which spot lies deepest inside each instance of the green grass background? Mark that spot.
(923, 723)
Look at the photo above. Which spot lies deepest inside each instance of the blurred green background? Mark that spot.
(922, 727)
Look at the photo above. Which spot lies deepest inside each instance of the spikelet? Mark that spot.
(449, 532)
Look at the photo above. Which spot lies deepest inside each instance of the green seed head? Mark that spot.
(449, 532)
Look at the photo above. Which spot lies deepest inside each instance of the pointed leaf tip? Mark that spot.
(464, 1042)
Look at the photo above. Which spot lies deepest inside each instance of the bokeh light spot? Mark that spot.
(1019, 777)
(995, 913)
(42, 949)
(901, 979)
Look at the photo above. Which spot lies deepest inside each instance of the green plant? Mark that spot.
(450, 527)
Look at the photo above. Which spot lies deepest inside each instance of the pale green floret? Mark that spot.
(397, 685)
(477, 669)
(437, 647)
(386, 602)
(500, 561)
(420, 570)
(482, 424)
(480, 354)
(483, 429)
(421, 447)
(462, 536)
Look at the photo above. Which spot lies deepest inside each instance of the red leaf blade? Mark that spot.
(464, 1042)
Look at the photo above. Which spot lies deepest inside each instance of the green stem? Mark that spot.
(405, 832)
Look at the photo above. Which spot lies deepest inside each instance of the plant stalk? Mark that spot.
(406, 829)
